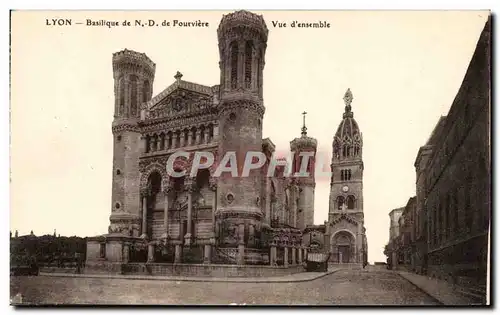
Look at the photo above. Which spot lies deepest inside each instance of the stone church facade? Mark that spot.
(204, 218)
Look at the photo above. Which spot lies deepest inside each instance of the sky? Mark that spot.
(403, 68)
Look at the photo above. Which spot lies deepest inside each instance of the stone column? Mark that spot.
(359, 244)
(241, 245)
(293, 195)
(198, 136)
(285, 257)
(166, 191)
(162, 142)
(190, 138)
(187, 237)
(182, 139)
(178, 254)
(151, 252)
(144, 144)
(251, 236)
(213, 187)
(241, 64)
(206, 133)
(208, 254)
(126, 252)
(174, 140)
(167, 140)
(241, 254)
(255, 72)
(272, 255)
(216, 131)
(268, 201)
(144, 216)
(305, 254)
(155, 142)
(294, 257)
(300, 256)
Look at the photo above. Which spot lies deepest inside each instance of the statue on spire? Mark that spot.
(348, 97)
(348, 101)
(178, 76)
(304, 128)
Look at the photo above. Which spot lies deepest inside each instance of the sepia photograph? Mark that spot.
(250, 157)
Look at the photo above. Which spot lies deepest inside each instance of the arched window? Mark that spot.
(145, 91)
(162, 141)
(350, 202)
(178, 185)
(170, 135)
(186, 136)
(202, 178)
(193, 136)
(133, 95)
(154, 185)
(344, 151)
(340, 202)
(248, 64)
(234, 65)
(345, 175)
(148, 145)
(356, 150)
(121, 87)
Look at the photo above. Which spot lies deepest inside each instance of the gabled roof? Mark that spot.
(185, 85)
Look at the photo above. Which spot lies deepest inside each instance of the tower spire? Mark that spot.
(348, 100)
(304, 128)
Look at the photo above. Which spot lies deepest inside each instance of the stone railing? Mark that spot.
(226, 255)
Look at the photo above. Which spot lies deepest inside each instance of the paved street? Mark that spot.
(346, 287)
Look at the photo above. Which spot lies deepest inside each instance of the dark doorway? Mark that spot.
(344, 253)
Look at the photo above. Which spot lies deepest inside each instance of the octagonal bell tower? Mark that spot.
(242, 38)
(304, 149)
(346, 214)
(133, 75)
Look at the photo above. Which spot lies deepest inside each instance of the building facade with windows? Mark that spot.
(450, 216)
(458, 178)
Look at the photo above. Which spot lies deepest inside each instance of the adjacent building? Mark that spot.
(444, 229)
(458, 178)
(391, 249)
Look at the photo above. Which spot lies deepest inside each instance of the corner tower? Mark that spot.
(133, 74)
(304, 150)
(346, 218)
(242, 40)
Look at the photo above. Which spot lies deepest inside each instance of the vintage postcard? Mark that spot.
(250, 157)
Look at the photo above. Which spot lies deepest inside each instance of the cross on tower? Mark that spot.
(304, 128)
(178, 76)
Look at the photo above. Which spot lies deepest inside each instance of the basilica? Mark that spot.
(159, 220)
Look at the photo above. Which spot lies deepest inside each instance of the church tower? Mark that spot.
(242, 40)
(304, 148)
(133, 75)
(346, 218)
